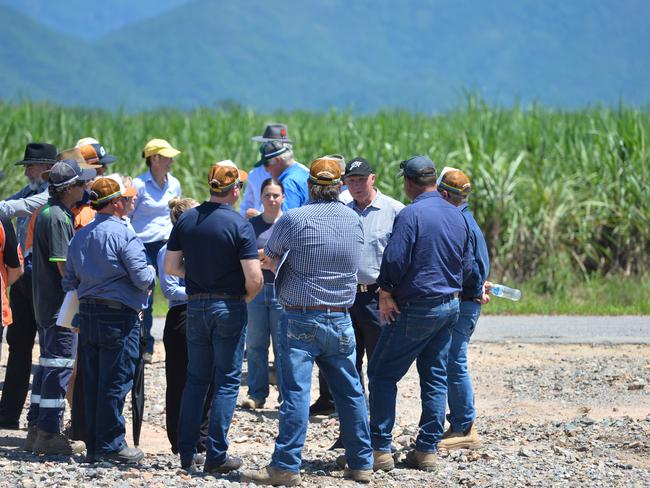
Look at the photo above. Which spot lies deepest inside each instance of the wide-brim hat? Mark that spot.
(274, 132)
(38, 153)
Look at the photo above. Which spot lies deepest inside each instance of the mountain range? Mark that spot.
(365, 55)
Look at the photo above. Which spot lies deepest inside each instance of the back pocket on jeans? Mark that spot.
(301, 331)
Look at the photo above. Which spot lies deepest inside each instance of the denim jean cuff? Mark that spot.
(284, 468)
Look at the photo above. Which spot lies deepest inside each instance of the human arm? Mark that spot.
(397, 256)
(23, 207)
(277, 243)
(169, 285)
(253, 278)
(248, 202)
(134, 259)
(174, 263)
(388, 308)
(70, 279)
(13, 259)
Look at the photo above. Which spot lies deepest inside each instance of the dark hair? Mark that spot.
(100, 206)
(423, 181)
(57, 192)
(326, 193)
(271, 181)
(221, 194)
(147, 161)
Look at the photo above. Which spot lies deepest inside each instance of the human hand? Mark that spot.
(252, 212)
(388, 309)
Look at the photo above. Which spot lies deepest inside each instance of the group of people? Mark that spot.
(317, 262)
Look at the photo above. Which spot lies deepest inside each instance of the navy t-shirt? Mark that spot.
(213, 238)
(263, 231)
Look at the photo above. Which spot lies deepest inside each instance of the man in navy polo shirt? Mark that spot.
(215, 250)
(422, 272)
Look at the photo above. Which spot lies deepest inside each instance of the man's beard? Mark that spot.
(35, 184)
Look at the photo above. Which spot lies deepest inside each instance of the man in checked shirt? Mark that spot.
(320, 247)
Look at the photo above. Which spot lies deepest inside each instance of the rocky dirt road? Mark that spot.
(549, 415)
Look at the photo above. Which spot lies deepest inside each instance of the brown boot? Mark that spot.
(383, 461)
(425, 461)
(252, 404)
(460, 440)
(358, 475)
(271, 476)
(56, 444)
(32, 433)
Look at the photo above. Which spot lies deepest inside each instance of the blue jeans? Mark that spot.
(151, 249)
(461, 394)
(421, 333)
(264, 314)
(327, 338)
(58, 347)
(216, 331)
(109, 341)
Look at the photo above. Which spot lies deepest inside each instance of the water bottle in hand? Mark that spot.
(506, 292)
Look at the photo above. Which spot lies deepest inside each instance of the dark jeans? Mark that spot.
(20, 338)
(175, 342)
(367, 328)
(109, 341)
(216, 331)
(151, 248)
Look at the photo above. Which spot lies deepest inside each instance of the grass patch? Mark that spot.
(598, 296)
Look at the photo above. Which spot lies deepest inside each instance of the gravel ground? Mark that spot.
(569, 415)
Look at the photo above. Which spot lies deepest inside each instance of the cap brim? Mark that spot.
(169, 152)
(87, 174)
(357, 173)
(267, 139)
(89, 166)
(108, 159)
(130, 192)
(399, 173)
(243, 175)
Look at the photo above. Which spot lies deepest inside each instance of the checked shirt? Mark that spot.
(323, 243)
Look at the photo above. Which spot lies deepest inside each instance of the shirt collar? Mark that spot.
(377, 202)
(463, 207)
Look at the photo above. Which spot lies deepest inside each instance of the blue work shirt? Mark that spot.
(107, 260)
(473, 285)
(150, 218)
(172, 287)
(294, 179)
(428, 254)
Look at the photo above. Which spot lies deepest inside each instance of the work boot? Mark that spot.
(358, 475)
(32, 433)
(322, 407)
(460, 440)
(56, 444)
(231, 463)
(383, 461)
(252, 404)
(271, 476)
(128, 455)
(425, 461)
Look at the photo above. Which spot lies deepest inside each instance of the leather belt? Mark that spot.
(104, 301)
(361, 288)
(323, 308)
(213, 296)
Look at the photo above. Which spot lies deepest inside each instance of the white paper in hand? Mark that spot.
(69, 309)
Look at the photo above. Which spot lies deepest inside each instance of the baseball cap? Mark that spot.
(270, 150)
(68, 171)
(131, 191)
(95, 153)
(224, 175)
(325, 170)
(455, 181)
(86, 140)
(357, 167)
(75, 155)
(159, 146)
(104, 189)
(273, 131)
(417, 166)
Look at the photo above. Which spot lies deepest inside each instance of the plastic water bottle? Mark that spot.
(506, 292)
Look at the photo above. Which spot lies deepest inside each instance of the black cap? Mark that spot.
(66, 172)
(357, 167)
(39, 152)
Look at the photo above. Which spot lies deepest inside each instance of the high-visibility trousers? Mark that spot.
(58, 347)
